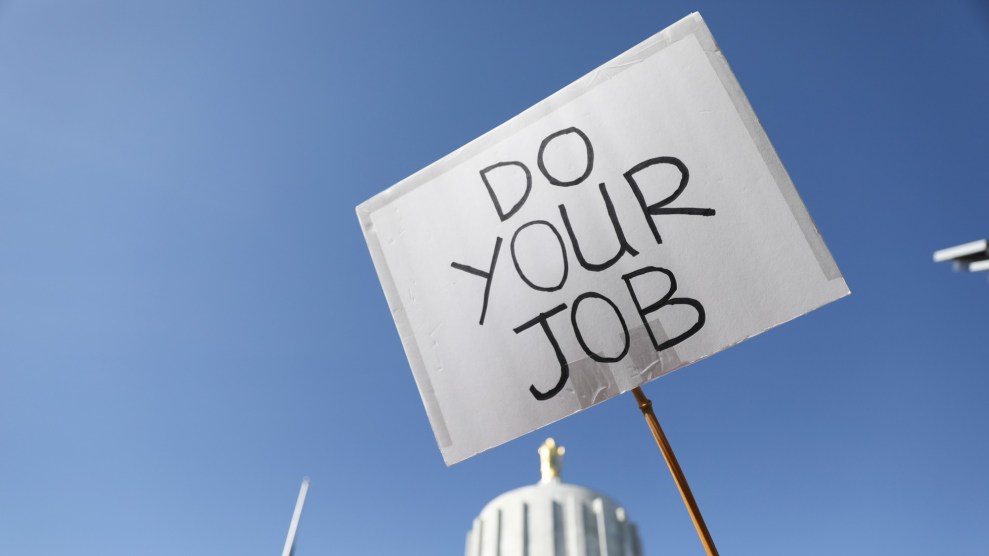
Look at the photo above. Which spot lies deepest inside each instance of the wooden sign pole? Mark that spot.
(664, 446)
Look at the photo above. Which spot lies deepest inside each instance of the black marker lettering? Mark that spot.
(486, 275)
(590, 157)
(657, 209)
(623, 245)
(667, 299)
(563, 252)
(580, 337)
(494, 198)
(564, 369)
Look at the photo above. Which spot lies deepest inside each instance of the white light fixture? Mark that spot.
(972, 256)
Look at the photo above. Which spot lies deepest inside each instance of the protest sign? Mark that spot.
(630, 224)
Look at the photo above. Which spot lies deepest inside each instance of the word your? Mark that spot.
(518, 173)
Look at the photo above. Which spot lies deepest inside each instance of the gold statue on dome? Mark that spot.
(550, 461)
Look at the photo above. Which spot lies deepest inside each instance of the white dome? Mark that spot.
(553, 519)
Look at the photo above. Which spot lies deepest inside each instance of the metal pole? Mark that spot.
(296, 516)
(671, 461)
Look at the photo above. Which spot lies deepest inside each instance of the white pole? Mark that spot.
(294, 526)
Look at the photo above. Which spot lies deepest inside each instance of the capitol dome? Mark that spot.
(553, 518)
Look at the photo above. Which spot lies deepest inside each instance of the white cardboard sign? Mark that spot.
(632, 223)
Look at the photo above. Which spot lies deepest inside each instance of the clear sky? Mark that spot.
(190, 321)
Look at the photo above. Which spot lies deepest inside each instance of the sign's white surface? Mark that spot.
(632, 223)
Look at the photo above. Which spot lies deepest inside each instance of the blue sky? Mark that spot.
(190, 321)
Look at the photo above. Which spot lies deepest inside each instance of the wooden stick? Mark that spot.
(671, 461)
